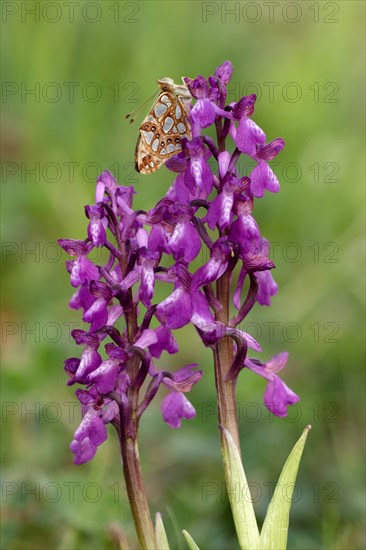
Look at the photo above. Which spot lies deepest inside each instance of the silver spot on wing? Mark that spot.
(165, 99)
(160, 109)
(168, 124)
(148, 137)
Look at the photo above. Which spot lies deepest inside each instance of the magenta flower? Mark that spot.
(176, 406)
(185, 304)
(97, 225)
(204, 111)
(267, 287)
(277, 396)
(89, 435)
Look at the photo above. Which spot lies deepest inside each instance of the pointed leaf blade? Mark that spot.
(161, 538)
(275, 527)
(190, 542)
(239, 495)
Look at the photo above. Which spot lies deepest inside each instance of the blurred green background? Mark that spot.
(71, 71)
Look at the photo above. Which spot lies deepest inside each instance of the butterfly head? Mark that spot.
(168, 85)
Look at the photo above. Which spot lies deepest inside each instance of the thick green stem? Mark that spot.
(129, 448)
(129, 423)
(223, 353)
(223, 357)
(136, 493)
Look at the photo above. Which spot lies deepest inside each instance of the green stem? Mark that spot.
(136, 493)
(223, 352)
(129, 424)
(129, 448)
(223, 358)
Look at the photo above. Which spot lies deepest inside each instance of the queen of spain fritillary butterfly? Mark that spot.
(161, 133)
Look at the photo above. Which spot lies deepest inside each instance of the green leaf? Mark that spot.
(239, 494)
(190, 542)
(161, 538)
(275, 528)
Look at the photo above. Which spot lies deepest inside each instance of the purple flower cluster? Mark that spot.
(202, 211)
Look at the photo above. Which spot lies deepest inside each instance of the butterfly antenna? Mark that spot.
(139, 108)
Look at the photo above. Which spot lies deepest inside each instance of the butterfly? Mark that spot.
(162, 131)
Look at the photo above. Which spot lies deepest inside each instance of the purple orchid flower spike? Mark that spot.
(201, 246)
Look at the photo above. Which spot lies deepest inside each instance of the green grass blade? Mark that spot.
(239, 495)
(190, 542)
(275, 528)
(161, 538)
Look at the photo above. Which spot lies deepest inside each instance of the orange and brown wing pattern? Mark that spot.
(162, 131)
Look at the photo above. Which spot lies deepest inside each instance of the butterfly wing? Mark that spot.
(161, 133)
